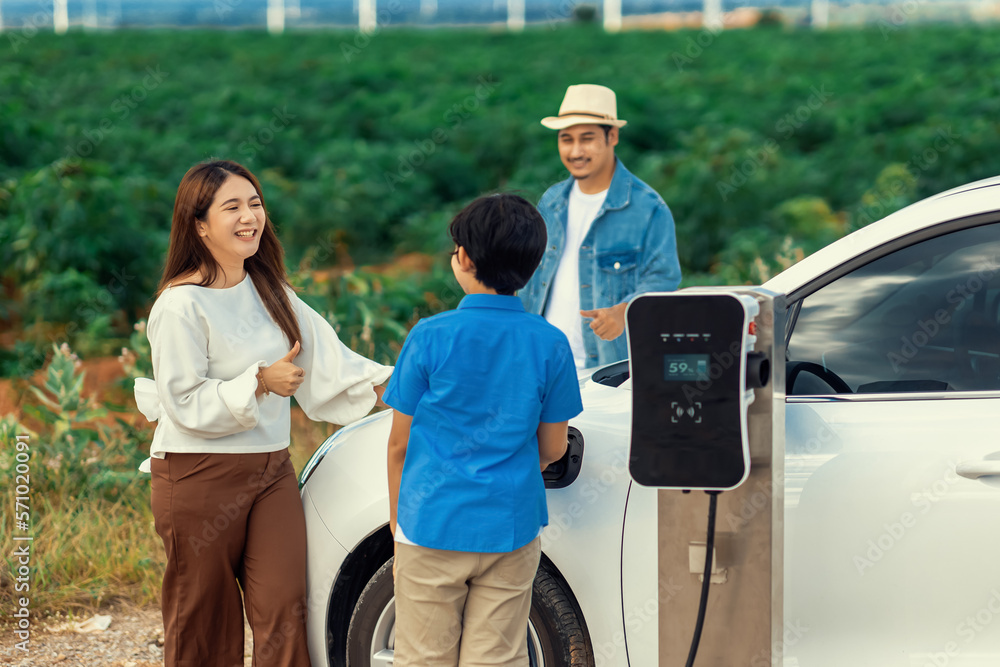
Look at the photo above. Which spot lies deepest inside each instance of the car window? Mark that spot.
(923, 318)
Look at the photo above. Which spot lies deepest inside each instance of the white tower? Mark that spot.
(820, 12)
(612, 15)
(275, 16)
(515, 15)
(60, 17)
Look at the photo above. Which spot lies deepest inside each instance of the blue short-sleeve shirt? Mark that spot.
(477, 381)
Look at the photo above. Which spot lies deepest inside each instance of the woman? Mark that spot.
(230, 343)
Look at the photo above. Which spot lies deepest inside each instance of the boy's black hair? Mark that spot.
(504, 236)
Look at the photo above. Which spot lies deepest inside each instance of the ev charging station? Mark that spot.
(707, 368)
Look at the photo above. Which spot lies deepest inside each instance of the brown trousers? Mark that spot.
(231, 523)
(461, 609)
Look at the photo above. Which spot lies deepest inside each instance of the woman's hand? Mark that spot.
(283, 377)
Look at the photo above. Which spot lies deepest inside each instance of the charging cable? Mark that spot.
(709, 549)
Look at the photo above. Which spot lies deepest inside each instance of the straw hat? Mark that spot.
(586, 103)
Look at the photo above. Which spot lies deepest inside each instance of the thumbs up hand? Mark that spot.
(283, 377)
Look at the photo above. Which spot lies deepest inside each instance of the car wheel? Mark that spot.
(556, 635)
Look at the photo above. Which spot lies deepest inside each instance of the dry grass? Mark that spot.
(89, 553)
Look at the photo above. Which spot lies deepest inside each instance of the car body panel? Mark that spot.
(578, 539)
(353, 475)
(324, 556)
(640, 572)
(886, 552)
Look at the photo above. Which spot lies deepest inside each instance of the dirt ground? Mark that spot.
(134, 639)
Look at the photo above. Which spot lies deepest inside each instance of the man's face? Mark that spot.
(586, 152)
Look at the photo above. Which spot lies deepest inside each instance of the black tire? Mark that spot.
(556, 634)
(374, 600)
(558, 624)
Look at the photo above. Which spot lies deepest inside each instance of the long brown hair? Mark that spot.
(187, 252)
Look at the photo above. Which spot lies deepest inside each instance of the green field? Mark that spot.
(766, 143)
(366, 145)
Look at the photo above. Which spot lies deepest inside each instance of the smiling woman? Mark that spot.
(240, 215)
(230, 343)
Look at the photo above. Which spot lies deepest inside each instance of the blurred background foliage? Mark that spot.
(758, 139)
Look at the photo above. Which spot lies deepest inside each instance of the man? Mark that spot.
(610, 236)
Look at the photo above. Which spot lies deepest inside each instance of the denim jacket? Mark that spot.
(630, 249)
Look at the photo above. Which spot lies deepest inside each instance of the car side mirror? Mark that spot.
(564, 472)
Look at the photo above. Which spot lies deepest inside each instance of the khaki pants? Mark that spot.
(231, 523)
(455, 608)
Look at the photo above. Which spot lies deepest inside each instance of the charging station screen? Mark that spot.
(685, 367)
(687, 390)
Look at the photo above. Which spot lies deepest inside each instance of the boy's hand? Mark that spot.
(608, 323)
(552, 442)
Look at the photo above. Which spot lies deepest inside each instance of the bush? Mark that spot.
(86, 503)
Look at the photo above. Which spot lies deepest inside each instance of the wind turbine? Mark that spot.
(275, 16)
(820, 13)
(612, 15)
(60, 17)
(515, 15)
(711, 16)
(367, 17)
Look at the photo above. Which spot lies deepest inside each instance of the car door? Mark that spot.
(893, 410)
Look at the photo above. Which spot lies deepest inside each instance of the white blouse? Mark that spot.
(207, 345)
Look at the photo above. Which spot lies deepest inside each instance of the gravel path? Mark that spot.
(134, 639)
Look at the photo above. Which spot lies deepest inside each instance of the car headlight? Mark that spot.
(329, 444)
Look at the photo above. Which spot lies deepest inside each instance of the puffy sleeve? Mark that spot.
(340, 384)
(197, 405)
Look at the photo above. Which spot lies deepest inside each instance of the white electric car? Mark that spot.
(892, 475)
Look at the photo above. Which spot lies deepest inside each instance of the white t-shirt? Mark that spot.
(207, 345)
(563, 309)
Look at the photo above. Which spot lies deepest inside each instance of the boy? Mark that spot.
(482, 396)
